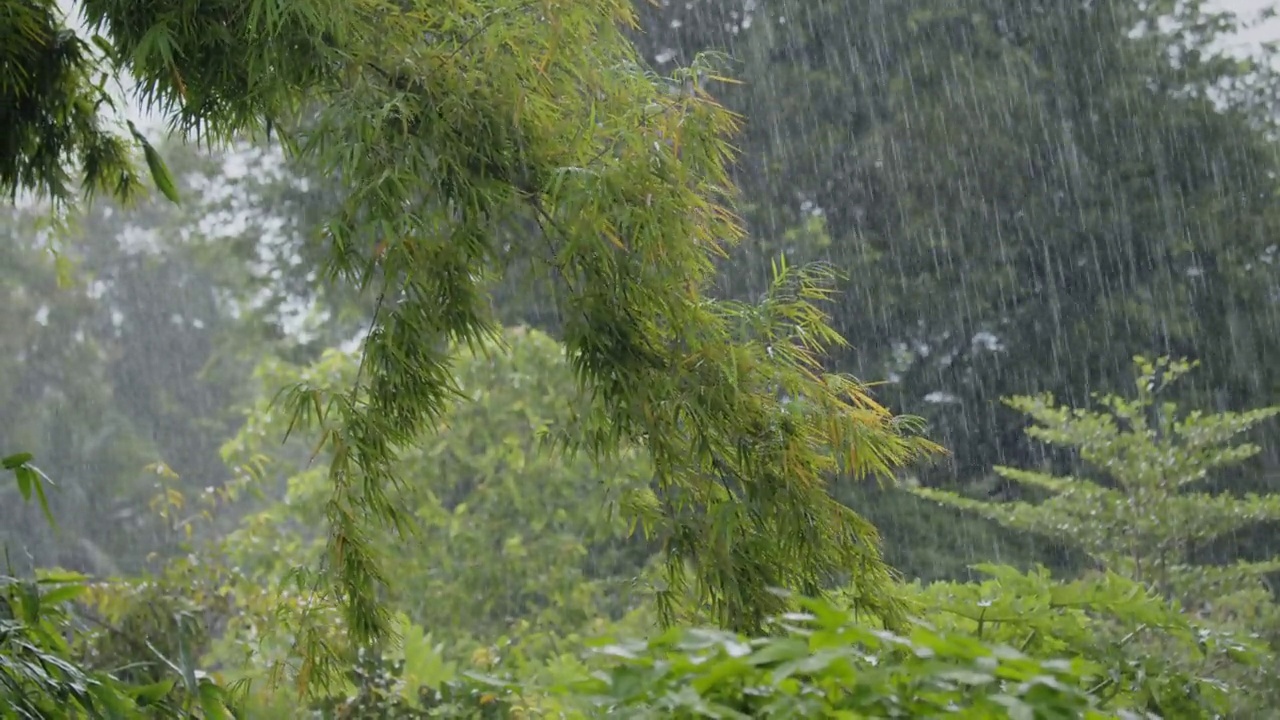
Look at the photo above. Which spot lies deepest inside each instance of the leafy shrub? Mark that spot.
(39, 676)
(506, 534)
(1150, 655)
(821, 663)
(43, 673)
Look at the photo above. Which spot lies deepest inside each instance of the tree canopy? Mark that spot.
(444, 125)
(1009, 218)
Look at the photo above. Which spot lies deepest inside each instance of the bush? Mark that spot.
(43, 671)
(1152, 657)
(506, 535)
(821, 663)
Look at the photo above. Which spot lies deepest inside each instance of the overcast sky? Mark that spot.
(1247, 8)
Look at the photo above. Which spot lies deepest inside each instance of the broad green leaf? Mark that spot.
(16, 460)
(152, 693)
(213, 701)
(25, 481)
(159, 171)
(62, 594)
(35, 480)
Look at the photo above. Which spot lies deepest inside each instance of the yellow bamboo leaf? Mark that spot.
(613, 238)
(304, 675)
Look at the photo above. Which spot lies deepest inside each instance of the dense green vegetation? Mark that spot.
(506, 359)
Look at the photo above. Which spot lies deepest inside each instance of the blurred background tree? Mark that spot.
(1022, 196)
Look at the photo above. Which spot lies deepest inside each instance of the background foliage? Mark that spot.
(994, 218)
(509, 537)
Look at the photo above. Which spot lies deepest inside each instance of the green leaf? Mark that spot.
(967, 677)
(160, 174)
(30, 605)
(60, 577)
(13, 462)
(213, 701)
(1018, 710)
(103, 45)
(62, 594)
(424, 666)
(34, 481)
(153, 693)
(106, 693)
(159, 171)
(64, 271)
(24, 476)
(487, 679)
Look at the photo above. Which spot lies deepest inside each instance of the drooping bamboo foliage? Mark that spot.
(445, 122)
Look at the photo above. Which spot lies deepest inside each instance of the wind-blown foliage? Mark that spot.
(446, 124)
(38, 673)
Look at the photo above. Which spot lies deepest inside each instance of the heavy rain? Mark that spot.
(640, 358)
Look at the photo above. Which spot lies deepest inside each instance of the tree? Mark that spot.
(512, 539)
(135, 346)
(1147, 520)
(445, 125)
(1006, 222)
(1150, 517)
(57, 402)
